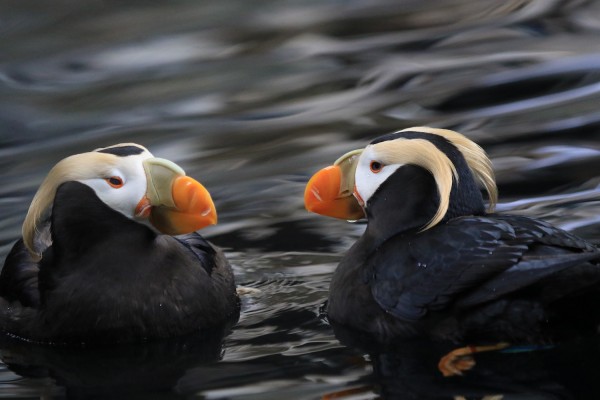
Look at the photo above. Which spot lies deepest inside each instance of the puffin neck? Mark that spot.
(80, 220)
(405, 202)
(408, 200)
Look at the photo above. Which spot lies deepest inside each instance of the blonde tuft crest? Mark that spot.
(425, 154)
(76, 167)
(476, 158)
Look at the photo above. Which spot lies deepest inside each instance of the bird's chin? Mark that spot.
(143, 209)
(146, 222)
(360, 200)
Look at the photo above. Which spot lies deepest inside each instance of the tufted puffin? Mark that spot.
(433, 262)
(98, 261)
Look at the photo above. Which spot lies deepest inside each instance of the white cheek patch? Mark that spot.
(367, 182)
(125, 198)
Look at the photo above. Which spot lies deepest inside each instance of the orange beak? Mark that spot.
(194, 209)
(330, 191)
(180, 204)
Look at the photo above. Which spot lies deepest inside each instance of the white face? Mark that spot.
(370, 174)
(124, 185)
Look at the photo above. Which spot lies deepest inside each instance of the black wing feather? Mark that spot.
(468, 261)
(19, 277)
(202, 250)
(529, 229)
(550, 251)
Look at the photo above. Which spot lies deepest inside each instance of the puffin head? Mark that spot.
(414, 178)
(130, 180)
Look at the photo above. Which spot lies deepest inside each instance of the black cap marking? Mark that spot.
(123, 151)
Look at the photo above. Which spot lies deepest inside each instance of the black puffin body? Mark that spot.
(433, 262)
(107, 277)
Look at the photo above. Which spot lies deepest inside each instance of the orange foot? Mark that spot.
(461, 359)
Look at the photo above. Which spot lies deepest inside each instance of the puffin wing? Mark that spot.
(471, 260)
(201, 248)
(556, 257)
(428, 270)
(19, 277)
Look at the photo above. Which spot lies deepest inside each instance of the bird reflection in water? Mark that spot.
(115, 371)
(407, 369)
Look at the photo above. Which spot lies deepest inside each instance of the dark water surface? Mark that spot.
(252, 97)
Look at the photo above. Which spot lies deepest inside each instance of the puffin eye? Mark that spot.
(376, 166)
(115, 181)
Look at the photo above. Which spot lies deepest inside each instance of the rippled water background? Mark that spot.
(251, 97)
